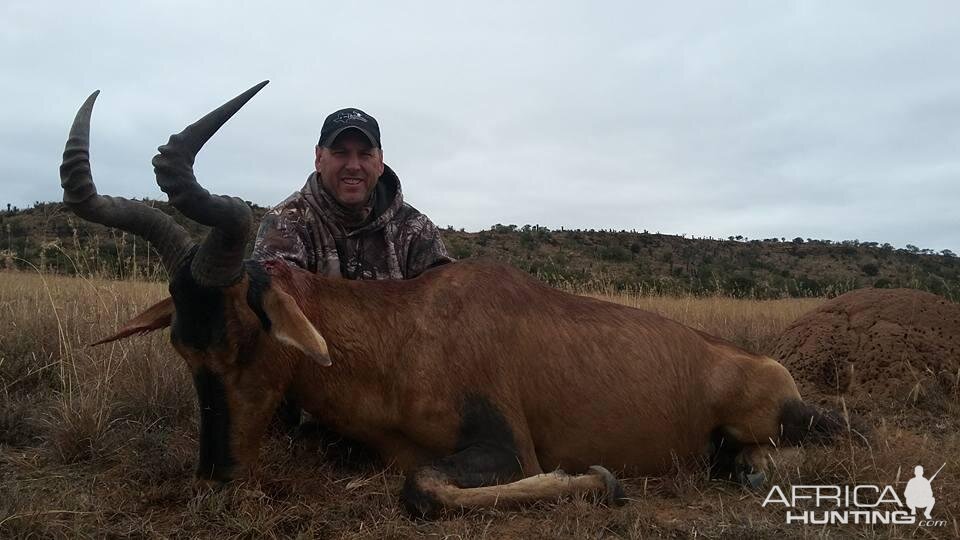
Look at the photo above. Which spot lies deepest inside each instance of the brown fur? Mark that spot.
(570, 373)
(580, 382)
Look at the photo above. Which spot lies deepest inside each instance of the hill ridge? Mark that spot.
(49, 238)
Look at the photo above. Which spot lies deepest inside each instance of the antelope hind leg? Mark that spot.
(429, 491)
(494, 464)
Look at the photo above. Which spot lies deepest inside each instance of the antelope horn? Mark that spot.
(80, 195)
(218, 262)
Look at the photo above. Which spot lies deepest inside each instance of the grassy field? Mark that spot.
(101, 442)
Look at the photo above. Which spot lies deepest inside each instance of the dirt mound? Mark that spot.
(892, 345)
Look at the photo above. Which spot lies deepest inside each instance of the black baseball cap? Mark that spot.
(349, 118)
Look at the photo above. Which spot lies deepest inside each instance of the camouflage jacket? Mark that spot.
(309, 229)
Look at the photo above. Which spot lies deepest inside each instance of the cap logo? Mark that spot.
(350, 116)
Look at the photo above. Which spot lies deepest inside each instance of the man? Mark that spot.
(349, 220)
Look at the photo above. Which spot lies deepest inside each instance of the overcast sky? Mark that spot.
(836, 120)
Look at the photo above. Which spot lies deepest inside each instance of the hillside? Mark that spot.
(47, 237)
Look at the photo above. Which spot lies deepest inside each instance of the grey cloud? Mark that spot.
(814, 119)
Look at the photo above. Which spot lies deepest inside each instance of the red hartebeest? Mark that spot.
(478, 380)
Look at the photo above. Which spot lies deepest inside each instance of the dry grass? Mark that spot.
(102, 442)
(752, 324)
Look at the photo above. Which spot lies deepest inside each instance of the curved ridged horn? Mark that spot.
(80, 195)
(218, 262)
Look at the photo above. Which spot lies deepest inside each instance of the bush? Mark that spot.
(740, 286)
(615, 254)
(460, 251)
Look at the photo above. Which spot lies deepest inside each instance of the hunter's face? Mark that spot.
(349, 168)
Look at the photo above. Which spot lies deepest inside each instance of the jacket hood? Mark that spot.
(387, 201)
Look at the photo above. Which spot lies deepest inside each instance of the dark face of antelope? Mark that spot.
(213, 331)
(241, 336)
(243, 344)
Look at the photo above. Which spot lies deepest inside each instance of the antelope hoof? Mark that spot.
(417, 499)
(614, 494)
(753, 480)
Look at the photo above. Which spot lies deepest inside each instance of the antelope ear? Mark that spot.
(155, 317)
(289, 325)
